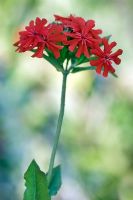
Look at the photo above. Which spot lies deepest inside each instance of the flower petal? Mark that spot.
(95, 62)
(39, 52)
(73, 43)
(117, 53)
(80, 50)
(99, 69)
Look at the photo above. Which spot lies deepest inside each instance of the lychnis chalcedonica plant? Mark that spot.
(66, 43)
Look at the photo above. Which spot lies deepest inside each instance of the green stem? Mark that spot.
(59, 125)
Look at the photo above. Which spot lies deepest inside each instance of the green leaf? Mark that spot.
(36, 183)
(79, 69)
(80, 60)
(56, 182)
(108, 37)
(114, 74)
(64, 54)
(52, 60)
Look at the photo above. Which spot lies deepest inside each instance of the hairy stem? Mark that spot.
(59, 125)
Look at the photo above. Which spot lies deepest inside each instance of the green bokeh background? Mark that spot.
(96, 145)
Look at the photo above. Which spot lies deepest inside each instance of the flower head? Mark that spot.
(39, 35)
(105, 57)
(66, 35)
(82, 34)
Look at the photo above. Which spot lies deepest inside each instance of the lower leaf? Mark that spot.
(55, 182)
(36, 183)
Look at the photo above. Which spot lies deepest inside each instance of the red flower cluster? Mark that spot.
(79, 35)
(39, 35)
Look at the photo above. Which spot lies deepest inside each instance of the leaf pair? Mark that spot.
(36, 183)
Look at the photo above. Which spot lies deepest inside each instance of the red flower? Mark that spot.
(82, 34)
(39, 35)
(105, 57)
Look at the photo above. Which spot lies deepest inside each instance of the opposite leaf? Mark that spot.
(36, 183)
(56, 182)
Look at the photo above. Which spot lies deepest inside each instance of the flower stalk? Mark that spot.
(59, 125)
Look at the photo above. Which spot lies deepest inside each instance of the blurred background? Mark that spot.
(96, 144)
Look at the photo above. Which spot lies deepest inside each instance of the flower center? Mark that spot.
(107, 57)
(83, 37)
(80, 36)
(43, 37)
(40, 35)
